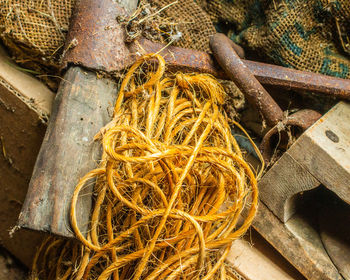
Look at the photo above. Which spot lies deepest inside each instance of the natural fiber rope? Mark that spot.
(170, 188)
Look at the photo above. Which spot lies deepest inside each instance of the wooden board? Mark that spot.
(298, 241)
(68, 152)
(281, 185)
(324, 150)
(255, 259)
(82, 107)
(25, 104)
(321, 155)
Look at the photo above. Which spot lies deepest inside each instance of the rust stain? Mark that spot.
(302, 119)
(244, 79)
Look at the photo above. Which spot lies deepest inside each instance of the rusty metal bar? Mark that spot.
(238, 72)
(180, 59)
(268, 74)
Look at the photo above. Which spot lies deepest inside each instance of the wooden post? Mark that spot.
(321, 155)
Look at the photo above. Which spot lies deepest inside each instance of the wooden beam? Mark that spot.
(324, 150)
(321, 155)
(280, 186)
(298, 241)
(82, 107)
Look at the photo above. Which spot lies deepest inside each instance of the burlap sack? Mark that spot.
(303, 34)
(35, 28)
(34, 32)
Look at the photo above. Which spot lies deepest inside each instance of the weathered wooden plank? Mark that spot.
(280, 186)
(79, 111)
(68, 152)
(321, 155)
(25, 104)
(299, 242)
(255, 259)
(324, 150)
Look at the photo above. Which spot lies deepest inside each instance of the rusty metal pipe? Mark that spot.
(180, 59)
(238, 72)
(258, 96)
(287, 78)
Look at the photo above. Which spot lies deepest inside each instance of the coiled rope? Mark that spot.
(170, 188)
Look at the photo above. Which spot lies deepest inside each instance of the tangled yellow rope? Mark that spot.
(170, 188)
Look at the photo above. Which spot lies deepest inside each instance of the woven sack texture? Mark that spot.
(35, 28)
(34, 33)
(194, 24)
(302, 34)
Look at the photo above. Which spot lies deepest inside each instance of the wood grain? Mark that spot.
(255, 259)
(324, 150)
(281, 184)
(68, 152)
(299, 242)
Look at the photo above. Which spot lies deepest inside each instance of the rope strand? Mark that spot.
(170, 188)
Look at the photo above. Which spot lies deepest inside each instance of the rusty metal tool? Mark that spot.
(276, 137)
(95, 42)
(257, 96)
(81, 107)
(238, 72)
(91, 54)
(179, 59)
